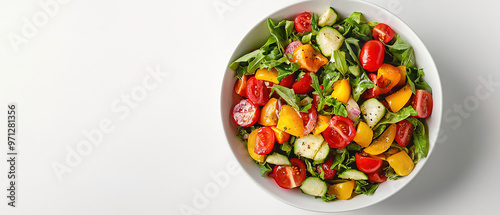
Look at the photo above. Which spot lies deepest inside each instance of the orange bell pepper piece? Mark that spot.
(267, 75)
(268, 113)
(280, 135)
(388, 77)
(308, 58)
(364, 134)
(402, 71)
(321, 124)
(398, 99)
(290, 121)
(382, 143)
(341, 90)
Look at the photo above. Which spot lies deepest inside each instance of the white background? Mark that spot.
(159, 156)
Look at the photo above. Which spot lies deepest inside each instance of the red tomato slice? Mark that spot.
(246, 113)
(404, 131)
(257, 91)
(340, 132)
(264, 143)
(240, 87)
(377, 176)
(292, 46)
(288, 81)
(383, 32)
(367, 164)
(422, 103)
(372, 55)
(309, 119)
(303, 22)
(326, 168)
(303, 86)
(288, 177)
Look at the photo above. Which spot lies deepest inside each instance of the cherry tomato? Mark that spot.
(264, 142)
(309, 119)
(240, 87)
(372, 55)
(367, 164)
(377, 176)
(340, 132)
(246, 113)
(289, 177)
(292, 46)
(303, 22)
(303, 86)
(422, 103)
(288, 81)
(257, 91)
(404, 131)
(383, 33)
(326, 168)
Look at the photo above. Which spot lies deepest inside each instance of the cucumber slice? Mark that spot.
(353, 174)
(373, 111)
(278, 159)
(329, 17)
(329, 40)
(322, 154)
(308, 145)
(314, 186)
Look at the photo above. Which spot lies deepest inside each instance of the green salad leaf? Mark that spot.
(420, 139)
(365, 187)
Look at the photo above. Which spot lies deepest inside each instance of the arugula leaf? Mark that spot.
(287, 146)
(246, 58)
(317, 89)
(310, 168)
(391, 118)
(340, 62)
(338, 108)
(305, 108)
(314, 24)
(356, 22)
(340, 156)
(420, 139)
(379, 130)
(353, 147)
(329, 76)
(359, 85)
(281, 31)
(287, 94)
(265, 168)
(328, 198)
(364, 187)
(403, 52)
(286, 70)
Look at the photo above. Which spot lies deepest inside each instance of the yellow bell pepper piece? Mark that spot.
(398, 99)
(382, 143)
(252, 139)
(341, 90)
(290, 121)
(402, 71)
(280, 135)
(401, 163)
(267, 75)
(342, 191)
(321, 124)
(364, 134)
(268, 115)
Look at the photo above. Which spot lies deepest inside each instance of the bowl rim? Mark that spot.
(437, 88)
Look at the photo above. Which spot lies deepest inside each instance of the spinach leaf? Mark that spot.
(340, 155)
(328, 198)
(317, 90)
(338, 108)
(287, 94)
(391, 174)
(356, 23)
(329, 76)
(281, 31)
(310, 168)
(364, 187)
(286, 70)
(420, 139)
(391, 118)
(403, 52)
(415, 81)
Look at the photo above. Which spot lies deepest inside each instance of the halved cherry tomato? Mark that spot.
(383, 33)
(367, 164)
(372, 55)
(246, 113)
(309, 119)
(340, 132)
(288, 81)
(240, 87)
(303, 22)
(327, 169)
(292, 46)
(257, 91)
(303, 86)
(377, 176)
(404, 131)
(422, 103)
(288, 177)
(264, 141)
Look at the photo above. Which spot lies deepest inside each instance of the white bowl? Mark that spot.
(258, 35)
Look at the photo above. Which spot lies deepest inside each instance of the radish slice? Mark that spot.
(353, 110)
